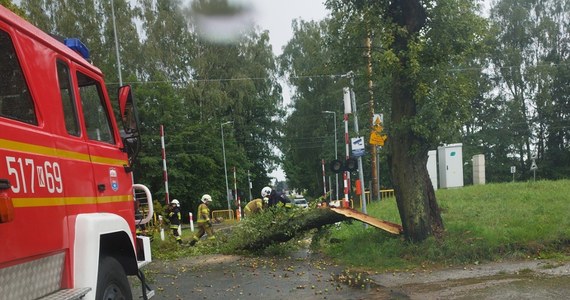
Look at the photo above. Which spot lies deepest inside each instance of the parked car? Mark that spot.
(301, 202)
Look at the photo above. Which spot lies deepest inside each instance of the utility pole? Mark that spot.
(373, 153)
(237, 196)
(116, 44)
(324, 180)
(225, 167)
(354, 111)
(335, 149)
(345, 173)
(249, 186)
(164, 170)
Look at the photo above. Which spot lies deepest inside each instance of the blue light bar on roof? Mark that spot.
(77, 46)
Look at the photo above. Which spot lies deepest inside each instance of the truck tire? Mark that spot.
(112, 282)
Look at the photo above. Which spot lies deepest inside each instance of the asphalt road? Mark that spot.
(301, 276)
(307, 276)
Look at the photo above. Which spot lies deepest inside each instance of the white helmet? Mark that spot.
(206, 198)
(265, 192)
(175, 202)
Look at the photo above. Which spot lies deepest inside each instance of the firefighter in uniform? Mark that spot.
(174, 217)
(265, 193)
(278, 199)
(255, 206)
(204, 223)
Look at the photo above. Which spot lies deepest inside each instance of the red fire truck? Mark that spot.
(68, 205)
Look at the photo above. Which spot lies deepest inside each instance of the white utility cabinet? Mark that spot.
(450, 165)
(478, 169)
(432, 167)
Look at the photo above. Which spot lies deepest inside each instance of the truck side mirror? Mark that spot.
(130, 121)
(127, 107)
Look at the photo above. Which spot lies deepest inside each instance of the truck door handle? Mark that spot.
(101, 187)
(4, 184)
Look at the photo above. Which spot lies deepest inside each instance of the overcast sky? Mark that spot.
(276, 16)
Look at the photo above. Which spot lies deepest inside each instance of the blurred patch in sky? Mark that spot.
(222, 21)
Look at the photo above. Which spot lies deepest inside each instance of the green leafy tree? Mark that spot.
(527, 69)
(238, 82)
(421, 44)
(128, 40)
(39, 13)
(91, 21)
(514, 59)
(13, 7)
(308, 132)
(168, 44)
(356, 46)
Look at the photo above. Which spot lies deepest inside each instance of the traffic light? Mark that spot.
(351, 165)
(338, 166)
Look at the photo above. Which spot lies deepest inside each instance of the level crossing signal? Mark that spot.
(338, 166)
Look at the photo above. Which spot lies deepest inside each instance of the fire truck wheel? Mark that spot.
(112, 282)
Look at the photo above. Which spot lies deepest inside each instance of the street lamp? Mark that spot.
(335, 146)
(116, 44)
(225, 167)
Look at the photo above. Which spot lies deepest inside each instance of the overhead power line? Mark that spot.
(332, 76)
(235, 79)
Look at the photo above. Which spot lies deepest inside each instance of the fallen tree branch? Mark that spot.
(281, 225)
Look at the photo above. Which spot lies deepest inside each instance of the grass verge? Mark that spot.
(483, 223)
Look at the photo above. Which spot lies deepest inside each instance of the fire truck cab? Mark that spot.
(68, 204)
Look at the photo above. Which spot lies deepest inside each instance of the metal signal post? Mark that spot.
(225, 167)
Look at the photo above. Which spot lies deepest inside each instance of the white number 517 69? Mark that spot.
(24, 181)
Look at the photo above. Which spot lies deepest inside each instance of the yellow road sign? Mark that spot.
(377, 139)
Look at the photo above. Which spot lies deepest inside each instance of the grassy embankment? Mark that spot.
(526, 220)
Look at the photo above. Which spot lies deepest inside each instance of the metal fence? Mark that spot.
(219, 216)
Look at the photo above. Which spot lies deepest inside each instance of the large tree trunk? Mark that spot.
(414, 192)
(407, 154)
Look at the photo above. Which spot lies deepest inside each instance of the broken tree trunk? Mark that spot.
(384, 225)
(285, 226)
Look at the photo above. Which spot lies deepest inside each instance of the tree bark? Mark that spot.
(407, 152)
